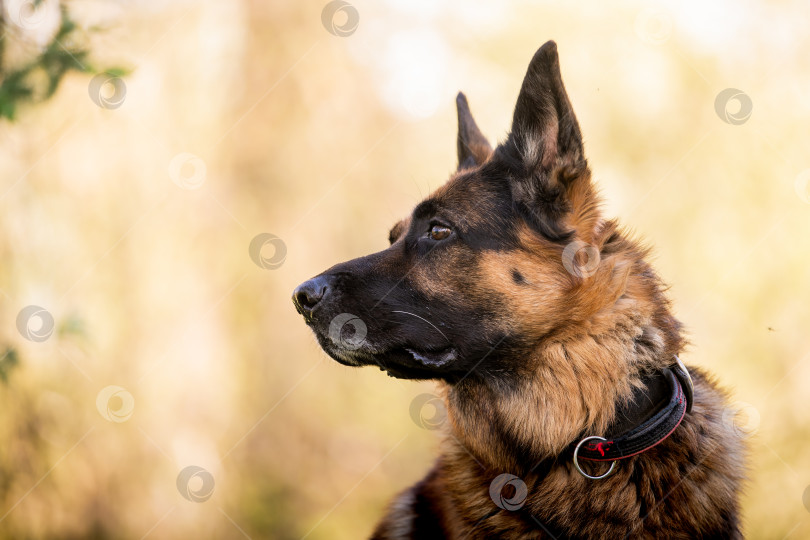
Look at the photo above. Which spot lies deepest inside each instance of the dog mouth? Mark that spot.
(438, 358)
(348, 341)
(403, 361)
(417, 363)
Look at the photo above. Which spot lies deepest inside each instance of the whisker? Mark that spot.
(427, 321)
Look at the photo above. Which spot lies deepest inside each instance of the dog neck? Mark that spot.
(576, 388)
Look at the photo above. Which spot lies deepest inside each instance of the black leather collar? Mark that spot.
(653, 413)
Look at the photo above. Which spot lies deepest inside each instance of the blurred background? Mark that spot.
(155, 379)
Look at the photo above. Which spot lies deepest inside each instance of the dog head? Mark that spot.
(511, 251)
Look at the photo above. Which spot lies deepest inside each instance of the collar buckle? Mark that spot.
(686, 382)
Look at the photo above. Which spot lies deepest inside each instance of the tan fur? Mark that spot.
(702, 477)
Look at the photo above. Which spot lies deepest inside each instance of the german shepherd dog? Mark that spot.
(553, 344)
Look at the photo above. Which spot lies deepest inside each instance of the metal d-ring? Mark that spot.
(579, 469)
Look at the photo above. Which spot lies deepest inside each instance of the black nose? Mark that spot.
(307, 295)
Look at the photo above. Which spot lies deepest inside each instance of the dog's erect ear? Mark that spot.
(545, 131)
(545, 149)
(473, 147)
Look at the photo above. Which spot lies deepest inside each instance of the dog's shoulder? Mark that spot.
(418, 512)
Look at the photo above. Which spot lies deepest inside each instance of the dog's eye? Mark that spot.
(439, 232)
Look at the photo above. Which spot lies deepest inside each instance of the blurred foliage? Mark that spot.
(8, 361)
(38, 78)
